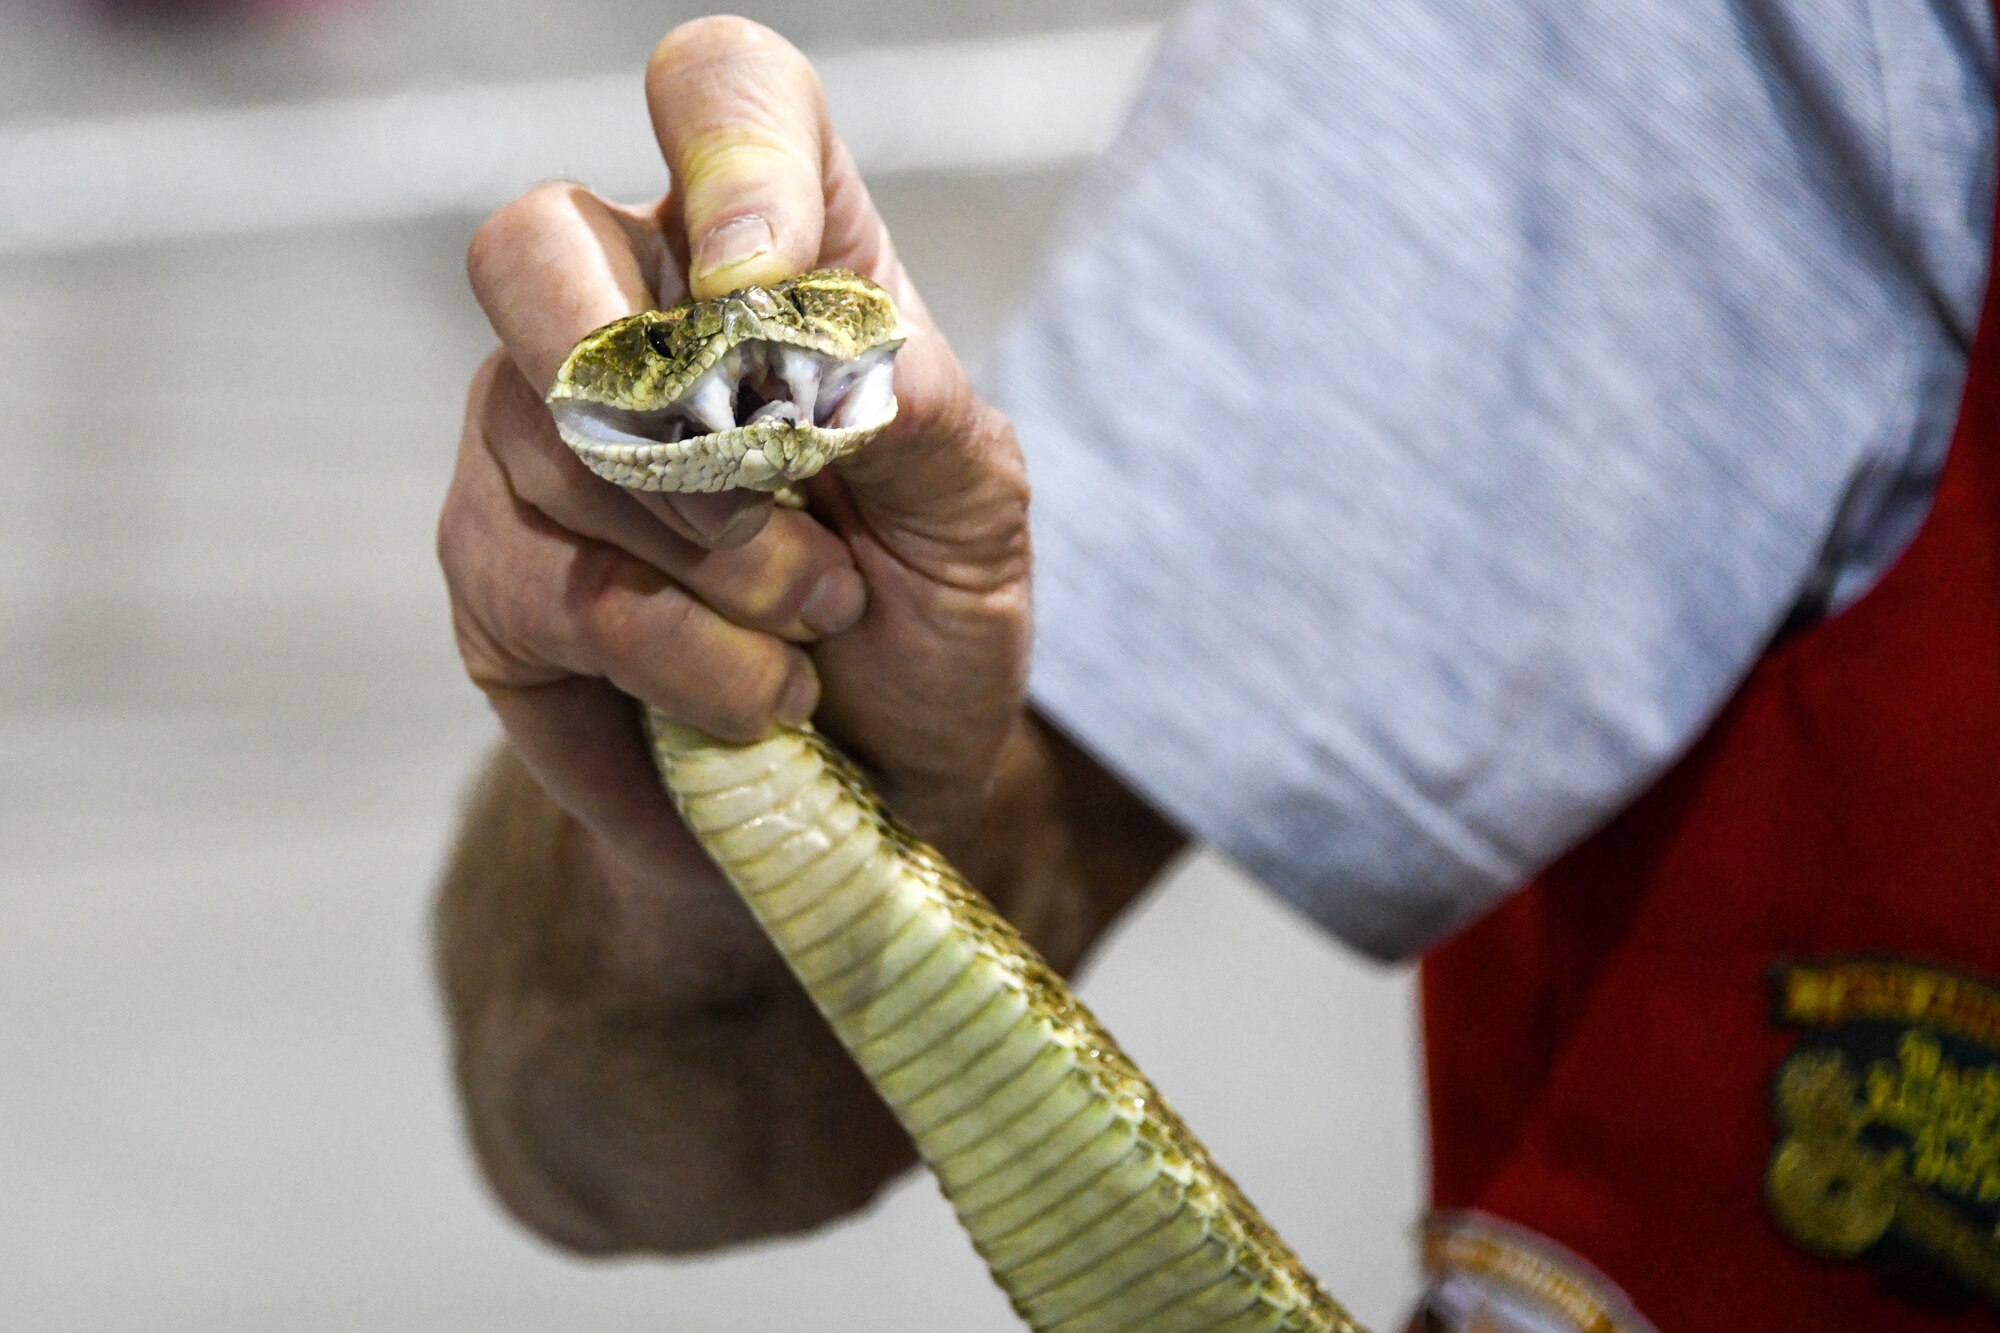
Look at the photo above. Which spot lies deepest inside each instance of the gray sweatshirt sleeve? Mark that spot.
(1437, 405)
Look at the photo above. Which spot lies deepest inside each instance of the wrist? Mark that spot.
(1059, 844)
(668, 926)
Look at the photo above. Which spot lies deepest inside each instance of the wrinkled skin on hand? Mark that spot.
(895, 611)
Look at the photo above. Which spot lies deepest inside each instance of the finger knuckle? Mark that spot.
(485, 664)
(498, 236)
(627, 618)
(1011, 492)
(540, 479)
(495, 638)
(516, 427)
(744, 698)
(596, 595)
(990, 546)
(772, 603)
(453, 534)
(536, 432)
(460, 535)
(511, 228)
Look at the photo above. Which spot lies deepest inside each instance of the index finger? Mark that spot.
(556, 264)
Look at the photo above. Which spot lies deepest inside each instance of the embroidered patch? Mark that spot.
(1888, 1117)
(1490, 1276)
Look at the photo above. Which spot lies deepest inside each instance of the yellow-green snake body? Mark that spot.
(1094, 1207)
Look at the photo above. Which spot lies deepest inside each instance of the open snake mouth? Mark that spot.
(760, 387)
(758, 382)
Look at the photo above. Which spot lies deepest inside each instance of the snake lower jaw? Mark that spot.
(762, 456)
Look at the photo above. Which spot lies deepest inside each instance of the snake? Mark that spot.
(1095, 1208)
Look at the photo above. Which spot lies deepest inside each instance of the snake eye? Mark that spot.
(660, 338)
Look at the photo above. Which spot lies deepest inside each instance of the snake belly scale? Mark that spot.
(1094, 1207)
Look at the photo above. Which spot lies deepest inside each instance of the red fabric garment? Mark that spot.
(1605, 1049)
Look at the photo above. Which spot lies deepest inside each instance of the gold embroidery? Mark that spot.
(1825, 1188)
(1834, 994)
(1950, 1112)
(1908, 1145)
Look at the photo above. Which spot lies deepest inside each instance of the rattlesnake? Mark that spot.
(1094, 1207)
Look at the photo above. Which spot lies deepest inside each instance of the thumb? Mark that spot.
(741, 120)
(767, 192)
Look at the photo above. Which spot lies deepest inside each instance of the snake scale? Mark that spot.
(1094, 1207)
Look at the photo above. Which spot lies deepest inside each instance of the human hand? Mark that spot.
(570, 596)
(713, 607)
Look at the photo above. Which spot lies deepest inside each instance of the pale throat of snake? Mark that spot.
(757, 388)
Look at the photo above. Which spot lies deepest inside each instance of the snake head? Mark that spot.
(758, 388)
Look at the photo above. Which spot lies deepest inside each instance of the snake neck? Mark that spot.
(1092, 1204)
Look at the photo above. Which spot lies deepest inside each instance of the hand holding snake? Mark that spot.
(1092, 1204)
(623, 985)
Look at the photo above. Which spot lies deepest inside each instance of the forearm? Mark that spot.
(637, 1069)
(1063, 846)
